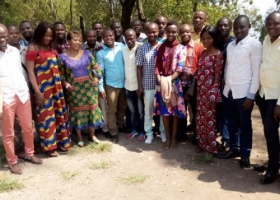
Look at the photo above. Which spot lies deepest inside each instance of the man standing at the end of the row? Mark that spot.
(268, 99)
(16, 101)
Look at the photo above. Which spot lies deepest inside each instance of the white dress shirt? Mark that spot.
(270, 70)
(242, 71)
(130, 68)
(11, 77)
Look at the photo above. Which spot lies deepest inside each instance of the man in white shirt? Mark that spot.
(268, 99)
(241, 85)
(135, 104)
(136, 25)
(16, 101)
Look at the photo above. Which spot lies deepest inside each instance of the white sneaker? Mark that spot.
(163, 136)
(149, 139)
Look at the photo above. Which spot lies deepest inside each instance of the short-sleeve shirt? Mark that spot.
(146, 57)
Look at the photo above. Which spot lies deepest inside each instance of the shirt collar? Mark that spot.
(243, 40)
(191, 43)
(267, 39)
(116, 44)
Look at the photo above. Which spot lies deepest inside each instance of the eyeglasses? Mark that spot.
(5, 37)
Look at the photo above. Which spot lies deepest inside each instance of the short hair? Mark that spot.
(150, 24)
(205, 13)
(58, 23)
(241, 17)
(230, 22)
(94, 23)
(130, 30)
(72, 34)
(136, 20)
(213, 32)
(172, 22)
(25, 21)
(159, 16)
(41, 30)
(274, 12)
(115, 22)
(106, 31)
(90, 30)
(11, 26)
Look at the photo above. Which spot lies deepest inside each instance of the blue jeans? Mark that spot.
(136, 107)
(271, 132)
(236, 117)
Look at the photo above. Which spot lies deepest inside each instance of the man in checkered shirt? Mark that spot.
(147, 80)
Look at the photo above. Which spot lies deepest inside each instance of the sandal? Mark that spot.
(167, 144)
(52, 153)
(62, 150)
(94, 139)
(173, 144)
(80, 144)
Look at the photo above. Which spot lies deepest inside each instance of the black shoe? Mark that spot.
(269, 177)
(124, 129)
(115, 138)
(244, 163)
(107, 134)
(229, 154)
(261, 168)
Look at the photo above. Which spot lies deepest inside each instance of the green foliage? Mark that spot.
(108, 11)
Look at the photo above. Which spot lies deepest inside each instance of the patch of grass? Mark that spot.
(100, 147)
(134, 179)
(68, 175)
(204, 158)
(100, 165)
(8, 184)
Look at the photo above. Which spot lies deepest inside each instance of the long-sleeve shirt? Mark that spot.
(111, 62)
(11, 76)
(243, 68)
(270, 70)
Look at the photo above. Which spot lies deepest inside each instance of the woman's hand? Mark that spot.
(95, 81)
(40, 100)
(70, 88)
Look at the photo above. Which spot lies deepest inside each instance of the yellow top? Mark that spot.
(270, 70)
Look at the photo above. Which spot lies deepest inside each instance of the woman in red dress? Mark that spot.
(208, 94)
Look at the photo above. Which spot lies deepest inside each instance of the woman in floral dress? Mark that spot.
(208, 94)
(80, 75)
(169, 98)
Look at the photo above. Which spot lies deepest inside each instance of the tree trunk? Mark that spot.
(71, 14)
(127, 7)
(140, 10)
(53, 10)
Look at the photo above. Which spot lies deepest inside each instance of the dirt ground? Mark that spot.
(172, 174)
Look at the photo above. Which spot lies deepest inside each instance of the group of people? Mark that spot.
(152, 73)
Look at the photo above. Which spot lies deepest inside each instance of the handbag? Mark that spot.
(192, 89)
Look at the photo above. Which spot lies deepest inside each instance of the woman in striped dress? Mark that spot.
(51, 110)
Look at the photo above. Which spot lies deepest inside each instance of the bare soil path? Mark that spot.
(157, 174)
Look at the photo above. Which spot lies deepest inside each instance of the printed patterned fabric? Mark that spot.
(168, 109)
(207, 92)
(83, 100)
(52, 116)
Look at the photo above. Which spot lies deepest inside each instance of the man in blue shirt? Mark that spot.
(110, 59)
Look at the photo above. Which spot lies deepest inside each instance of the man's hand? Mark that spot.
(102, 94)
(277, 112)
(248, 104)
(140, 91)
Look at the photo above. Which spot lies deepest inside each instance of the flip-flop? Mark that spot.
(81, 144)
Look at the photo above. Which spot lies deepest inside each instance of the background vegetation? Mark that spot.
(106, 11)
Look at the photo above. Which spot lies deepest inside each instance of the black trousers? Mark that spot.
(271, 132)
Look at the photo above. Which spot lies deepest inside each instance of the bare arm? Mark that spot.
(139, 80)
